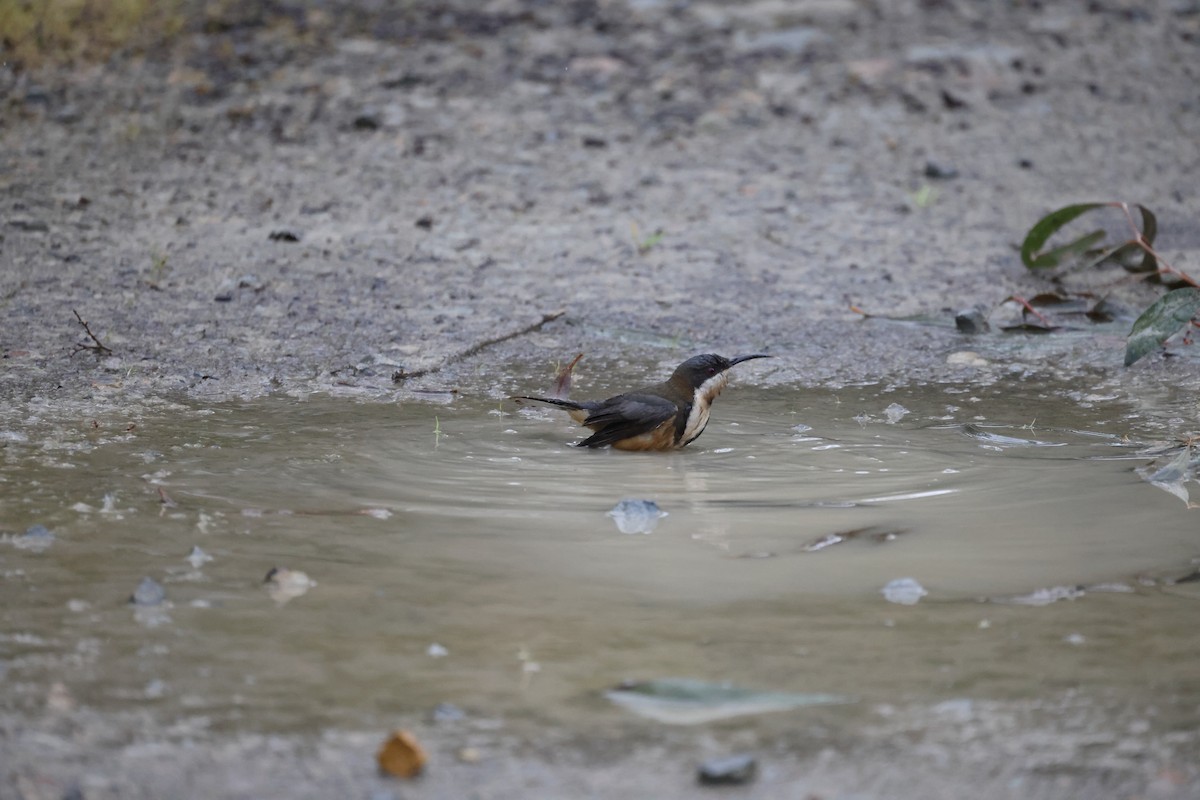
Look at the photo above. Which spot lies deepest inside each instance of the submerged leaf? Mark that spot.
(997, 440)
(1173, 476)
(1162, 320)
(686, 701)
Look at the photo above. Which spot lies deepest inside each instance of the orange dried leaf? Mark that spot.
(402, 755)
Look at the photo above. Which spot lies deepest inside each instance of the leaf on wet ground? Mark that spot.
(687, 701)
(1162, 320)
(1089, 248)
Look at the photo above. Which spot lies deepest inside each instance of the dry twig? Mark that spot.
(98, 347)
(402, 375)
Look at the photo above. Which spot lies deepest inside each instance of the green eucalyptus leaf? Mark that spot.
(1162, 320)
(1085, 248)
(1049, 225)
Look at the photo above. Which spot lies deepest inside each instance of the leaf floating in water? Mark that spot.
(636, 516)
(198, 558)
(1173, 476)
(686, 701)
(873, 534)
(894, 413)
(284, 584)
(1162, 320)
(1042, 597)
(999, 440)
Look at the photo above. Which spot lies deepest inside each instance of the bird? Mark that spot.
(663, 416)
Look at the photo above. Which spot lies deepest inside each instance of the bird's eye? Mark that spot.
(712, 370)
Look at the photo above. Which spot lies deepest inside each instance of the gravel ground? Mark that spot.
(320, 206)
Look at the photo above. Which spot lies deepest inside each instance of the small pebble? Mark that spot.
(971, 321)
(729, 770)
(939, 172)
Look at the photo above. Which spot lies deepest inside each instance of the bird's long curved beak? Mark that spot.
(740, 359)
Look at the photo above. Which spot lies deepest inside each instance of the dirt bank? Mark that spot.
(293, 208)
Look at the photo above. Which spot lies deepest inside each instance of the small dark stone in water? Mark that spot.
(939, 172)
(729, 770)
(971, 321)
(425, 223)
(447, 712)
(148, 593)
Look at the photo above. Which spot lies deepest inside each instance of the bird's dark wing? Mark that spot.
(626, 415)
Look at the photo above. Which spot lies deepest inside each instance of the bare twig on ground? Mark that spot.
(98, 347)
(402, 375)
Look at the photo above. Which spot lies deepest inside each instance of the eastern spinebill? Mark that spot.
(664, 416)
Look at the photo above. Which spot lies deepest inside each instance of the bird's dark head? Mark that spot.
(698, 370)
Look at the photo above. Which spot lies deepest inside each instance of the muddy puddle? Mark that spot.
(463, 552)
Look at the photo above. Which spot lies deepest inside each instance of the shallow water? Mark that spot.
(475, 527)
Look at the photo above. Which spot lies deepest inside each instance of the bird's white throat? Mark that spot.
(701, 404)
